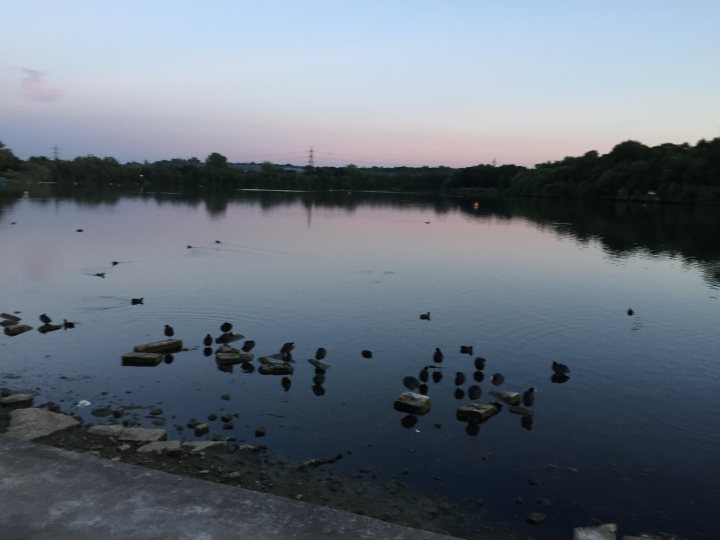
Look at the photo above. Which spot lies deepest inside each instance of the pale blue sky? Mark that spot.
(372, 82)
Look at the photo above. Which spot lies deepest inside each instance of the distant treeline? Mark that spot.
(631, 171)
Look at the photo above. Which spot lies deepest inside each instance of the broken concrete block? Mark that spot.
(478, 412)
(410, 402)
(608, 531)
(146, 359)
(17, 400)
(165, 346)
(201, 429)
(28, 424)
(48, 327)
(233, 358)
(17, 329)
(200, 446)
(510, 398)
(276, 369)
(521, 410)
(161, 447)
(129, 434)
(322, 366)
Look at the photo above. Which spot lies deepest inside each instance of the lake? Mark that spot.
(631, 437)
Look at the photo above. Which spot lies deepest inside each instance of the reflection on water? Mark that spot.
(325, 292)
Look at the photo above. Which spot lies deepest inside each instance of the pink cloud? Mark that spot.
(35, 87)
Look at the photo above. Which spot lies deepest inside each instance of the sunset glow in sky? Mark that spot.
(372, 82)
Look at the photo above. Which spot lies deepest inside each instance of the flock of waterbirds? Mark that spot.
(419, 383)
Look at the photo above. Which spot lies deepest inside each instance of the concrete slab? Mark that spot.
(27, 424)
(53, 494)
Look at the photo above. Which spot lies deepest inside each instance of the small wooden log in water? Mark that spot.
(144, 359)
(167, 345)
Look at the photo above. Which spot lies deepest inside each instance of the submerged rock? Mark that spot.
(536, 518)
(521, 410)
(411, 402)
(9, 317)
(511, 398)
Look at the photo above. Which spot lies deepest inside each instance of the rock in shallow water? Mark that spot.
(477, 412)
(411, 402)
(129, 434)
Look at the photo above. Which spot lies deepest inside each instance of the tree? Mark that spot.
(216, 161)
(7, 159)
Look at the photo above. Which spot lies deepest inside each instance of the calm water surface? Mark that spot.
(632, 437)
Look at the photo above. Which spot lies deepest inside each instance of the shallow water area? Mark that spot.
(631, 436)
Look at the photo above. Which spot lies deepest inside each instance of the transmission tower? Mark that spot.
(56, 152)
(311, 158)
(494, 163)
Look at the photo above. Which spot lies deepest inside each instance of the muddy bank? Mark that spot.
(253, 466)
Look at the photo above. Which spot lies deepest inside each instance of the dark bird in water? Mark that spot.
(424, 374)
(248, 346)
(425, 316)
(366, 354)
(474, 392)
(78, 230)
(68, 324)
(529, 397)
(169, 332)
(411, 383)
(427, 223)
(115, 263)
(218, 242)
(136, 301)
(560, 369)
(438, 355)
(100, 274)
(207, 341)
(320, 353)
(189, 246)
(225, 327)
(459, 378)
(497, 379)
(466, 349)
(44, 318)
(287, 347)
(286, 383)
(479, 363)
(437, 376)
(423, 389)
(459, 393)
(479, 376)
(630, 312)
